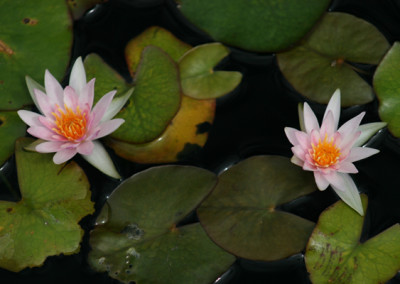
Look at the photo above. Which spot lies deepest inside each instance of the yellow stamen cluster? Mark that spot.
(70, 124)
(326, 153)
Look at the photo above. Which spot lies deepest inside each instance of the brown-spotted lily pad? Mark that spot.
(322, 63)
(45, 221)
(335, 255)
(241, 214)
(136, 238)
(26, 28)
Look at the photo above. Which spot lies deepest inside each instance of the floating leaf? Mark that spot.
(156, 36)
(335, 255)
(322, 63)
(188, 128)
(198, 78)
(25, 30)
(107, 79)
(255, 25)
(387, 87)
(241, 214)
(11, 127)
(137, 238)
(154, 101)
(45, 221)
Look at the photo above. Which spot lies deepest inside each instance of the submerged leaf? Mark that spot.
(335, 255)
(241, 214)
(45, 222)
(136, 238)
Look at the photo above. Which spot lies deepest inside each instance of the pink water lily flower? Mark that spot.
(330, 152)
(67, 124)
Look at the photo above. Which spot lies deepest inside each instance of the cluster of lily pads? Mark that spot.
(141, 233)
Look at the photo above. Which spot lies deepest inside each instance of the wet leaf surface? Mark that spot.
(137, 238)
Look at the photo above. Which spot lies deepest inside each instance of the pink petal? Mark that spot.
(334, 107)
(41, 132)
(310, 120)
(299, 152)
(108, 127)
(49, 147)
(54, 90)
(85, 148)
(321, 182)
(352, 125)
(303, 139)
(44, 104)
(29, 117)
(336, 180)
(347, 143)
(309, 166)
(100, 108)
(48, 123)
(347, 167)
(315, 137)
(291, 135)
(359, 153)
(328, 125)
(87, 95)
(77, 79)
(70, 98)
(64, 155)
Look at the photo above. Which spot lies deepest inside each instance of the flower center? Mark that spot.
(326, 153)
(70, 124)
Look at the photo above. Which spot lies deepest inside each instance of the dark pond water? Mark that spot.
(248, 122)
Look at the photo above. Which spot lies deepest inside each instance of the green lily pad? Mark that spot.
(107, 79)
(155, 36)
(254, 25)
(242, 216)
(335, 255)
(11, 127)
(25, 30)
(198, 78)
(155, 100)
(45, 221)
(387, 87)
(136, 238)
(322, 63)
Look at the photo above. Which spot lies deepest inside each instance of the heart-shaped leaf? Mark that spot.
(241, 214)
(155, 36)
(155, 99)
(254, 25)
(189, 128)
(198, 78)
(107, 79)
(136, 238)
(387, 87)
(25, 31)
(45, 222)
(335, 255)
(11, 127)
(322, 63)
